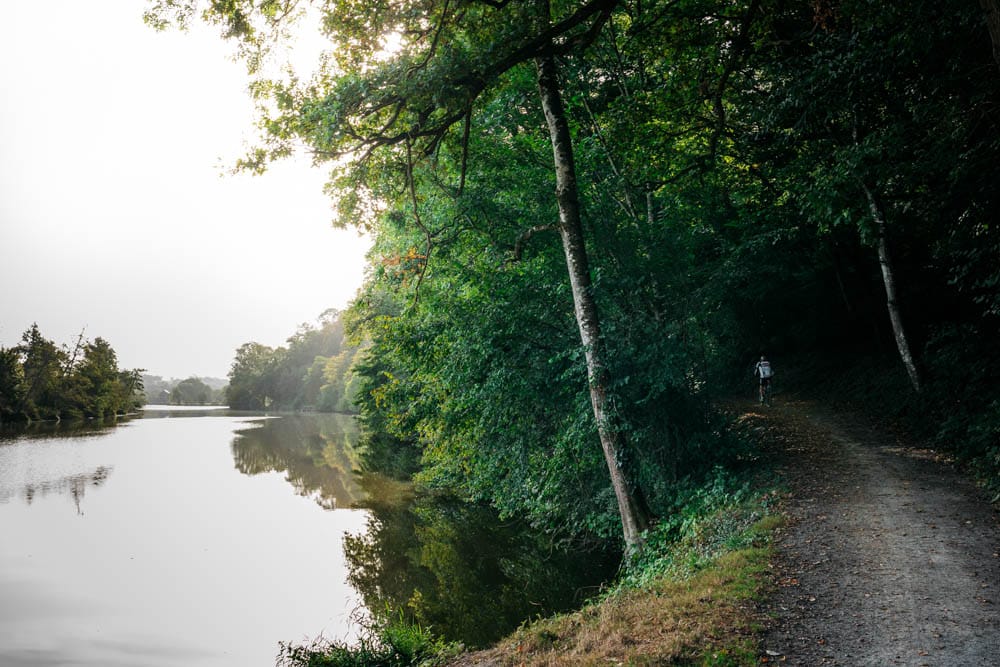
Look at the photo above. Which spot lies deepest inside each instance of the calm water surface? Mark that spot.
(205, 538)
(194, 538)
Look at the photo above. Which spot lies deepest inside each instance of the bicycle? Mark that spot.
(765, 393)
(763, 372)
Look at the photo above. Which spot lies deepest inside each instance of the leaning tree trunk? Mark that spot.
(631, 504)
(889, 280)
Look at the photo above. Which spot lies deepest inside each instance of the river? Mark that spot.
(206, 537)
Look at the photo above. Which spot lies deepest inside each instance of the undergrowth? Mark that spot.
(690, 598)
(383, 642)
(714, 518)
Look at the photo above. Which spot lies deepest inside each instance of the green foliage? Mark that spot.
(862, 94)
(250, 378)
(482, 366)
(314, 372)
(12, 385)
(394, 643)
(962, 407)
(338, 390)
(39, 380)
(723, 155)
(722, 514)
(691, 599)
(191, 391)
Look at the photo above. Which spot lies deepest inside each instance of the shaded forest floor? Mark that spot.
(888, 556)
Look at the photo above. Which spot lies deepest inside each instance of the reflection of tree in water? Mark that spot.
(453, 566)
(64, 428)
(314, 451)
(75, 485)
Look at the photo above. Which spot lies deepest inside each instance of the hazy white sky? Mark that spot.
(115, 213)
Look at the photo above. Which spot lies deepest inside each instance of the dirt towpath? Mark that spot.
(892, 557)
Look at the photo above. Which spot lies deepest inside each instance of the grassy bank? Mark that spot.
(690, 599)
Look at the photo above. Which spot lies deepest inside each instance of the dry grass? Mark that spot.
(707, 619)
(695, 600)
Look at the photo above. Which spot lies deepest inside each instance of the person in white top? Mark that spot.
(763, 372)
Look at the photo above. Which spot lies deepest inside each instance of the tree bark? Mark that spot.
(992, 10)
(889, 280)
(634, 512)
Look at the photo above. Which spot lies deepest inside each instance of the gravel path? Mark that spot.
(892, 557)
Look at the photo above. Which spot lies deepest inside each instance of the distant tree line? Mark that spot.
(314, 372)
(40, 380)
(190, 391)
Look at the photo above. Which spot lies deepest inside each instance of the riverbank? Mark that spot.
(696, 601)
(709, 617)
(695, 598)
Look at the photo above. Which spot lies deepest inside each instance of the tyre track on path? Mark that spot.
(891, 556)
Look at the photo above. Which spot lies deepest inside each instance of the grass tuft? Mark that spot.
(392, 643)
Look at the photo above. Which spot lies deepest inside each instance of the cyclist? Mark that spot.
(763, 372)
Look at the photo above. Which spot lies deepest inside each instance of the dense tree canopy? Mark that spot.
(816, 180)
(40, 380)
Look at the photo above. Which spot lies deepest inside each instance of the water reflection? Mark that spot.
(65, 428)
(167, 411)
(317, 453)
(442, 562)
(75, 485)
(20, 477)
(168, 563)
(455, 567)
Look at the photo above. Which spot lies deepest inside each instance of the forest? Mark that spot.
(40, 380)
(590, 218)
(189, 391)
(314, 372)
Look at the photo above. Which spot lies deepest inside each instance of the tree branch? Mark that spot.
(475, 82)
(420, 223)
(526, 236)
(465, 150)
(740, 45)
(436, 39)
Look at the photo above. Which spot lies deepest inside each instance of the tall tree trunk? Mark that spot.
(992, 9)
(889, 280)
(631, 503)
